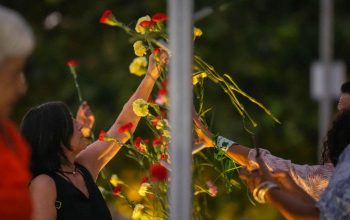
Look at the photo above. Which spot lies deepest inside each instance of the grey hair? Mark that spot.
(16, 36)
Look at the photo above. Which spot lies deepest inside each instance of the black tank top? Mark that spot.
(72, 204)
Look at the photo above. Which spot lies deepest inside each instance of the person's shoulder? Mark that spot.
(42, 182)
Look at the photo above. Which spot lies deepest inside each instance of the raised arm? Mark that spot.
(99, 153)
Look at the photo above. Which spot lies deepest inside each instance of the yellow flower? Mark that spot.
(138, 27)
(136, 214)
(144, 189)
(139, 48)
(138, 66)
(140, 107)
(115, 181)
(197, 77)
(197, 32)
(166, 134)
(162, 124)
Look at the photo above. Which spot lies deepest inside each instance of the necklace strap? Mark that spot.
(69, 172)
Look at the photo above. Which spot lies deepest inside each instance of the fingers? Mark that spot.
(264, 169)
(244, 174)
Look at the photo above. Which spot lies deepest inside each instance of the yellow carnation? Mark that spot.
(140, 107)
(144, 189)
(140, 29)
(139, 48)
(115, 181)
(197, 77)
(138, 66)
(197, 32)
(136, 214)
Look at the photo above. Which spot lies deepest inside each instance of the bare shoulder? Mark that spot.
(44, 184)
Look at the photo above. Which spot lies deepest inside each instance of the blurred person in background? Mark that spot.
(279, 189)
(16, 44)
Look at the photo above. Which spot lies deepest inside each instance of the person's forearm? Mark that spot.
(127, 114)
(239, 153)
(291, 207)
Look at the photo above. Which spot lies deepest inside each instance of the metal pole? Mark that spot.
(180, 79)
(325, 50)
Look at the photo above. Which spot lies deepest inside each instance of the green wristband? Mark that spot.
(223, 143)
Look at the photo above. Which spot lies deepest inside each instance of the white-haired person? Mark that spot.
(16, 44)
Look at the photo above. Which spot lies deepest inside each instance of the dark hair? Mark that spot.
(48, 128)
(338, 137)
(345, 88)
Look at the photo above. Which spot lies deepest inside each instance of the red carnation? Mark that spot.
(72, 63)
(102, 135)
(154, 121)
(145, 179)
(125, 128)
(163, 157)
(117, 190)
(158, 172)
(159, 17)
(105, 16)
(157, 141)
(137, 142)
(147, 24)
(156, 51)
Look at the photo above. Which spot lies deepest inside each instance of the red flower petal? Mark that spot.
(154, 121)
(159, 17)
(163, 157)
(156, 51)
(102, 135)
(72, 63)
(158, 172)
(125, 128)
(145, 179)
(137, 142)
(147, 24)
(117, 190)
(105, 16)
(157, 141)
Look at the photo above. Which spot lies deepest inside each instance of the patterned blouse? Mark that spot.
(312, 178)
(335, 201)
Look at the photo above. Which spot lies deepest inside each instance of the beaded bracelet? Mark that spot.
(260, 191)
(223, 143)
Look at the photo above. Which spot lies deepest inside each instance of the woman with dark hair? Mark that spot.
(281, 191)
(64, 167)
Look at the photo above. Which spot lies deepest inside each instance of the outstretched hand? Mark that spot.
(156, 64)
(86, 118)
(254, 178)
(205, 137)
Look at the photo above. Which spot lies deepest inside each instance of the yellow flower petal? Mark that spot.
(139, 48)
(138, 66)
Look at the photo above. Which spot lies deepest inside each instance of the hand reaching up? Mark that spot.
(86, 118)
(156, 63)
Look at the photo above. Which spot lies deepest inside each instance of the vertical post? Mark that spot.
(180, 85)
(325, 50)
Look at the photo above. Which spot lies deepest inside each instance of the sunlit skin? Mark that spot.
(344, 101)
(12, 84)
